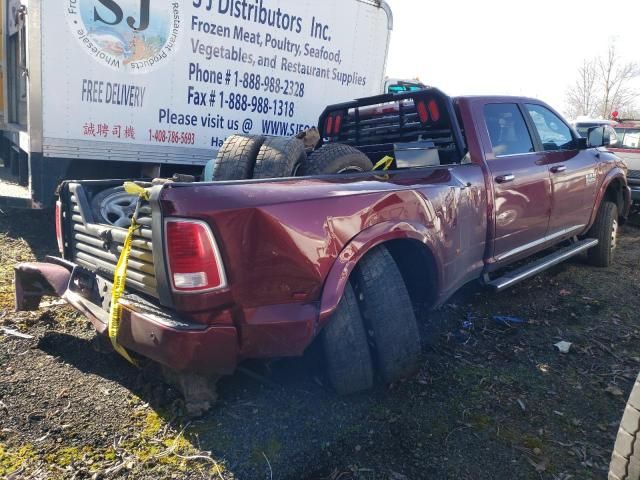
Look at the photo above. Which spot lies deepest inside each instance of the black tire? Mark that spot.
(605, 229)
(387, 311)
(346, 348)
(279, 157)
(625, 461)
(237, 158)
(336, 158)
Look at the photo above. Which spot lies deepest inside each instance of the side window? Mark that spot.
(631, 139)
(507, 129)
(553, 132)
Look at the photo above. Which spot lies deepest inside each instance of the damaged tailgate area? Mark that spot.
(95, 233)
(92, 219)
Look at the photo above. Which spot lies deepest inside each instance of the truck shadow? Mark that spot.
(279, 417)
(94, 357)
(35, 227)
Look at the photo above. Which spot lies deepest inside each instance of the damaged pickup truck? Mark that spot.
(224, 271)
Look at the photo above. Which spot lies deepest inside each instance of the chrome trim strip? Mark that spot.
(125, 152)
(546, 239)
(518, 154)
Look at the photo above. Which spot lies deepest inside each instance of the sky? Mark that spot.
(531, 48)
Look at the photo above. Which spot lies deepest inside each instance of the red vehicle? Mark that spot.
(627, 147)
(223, 272)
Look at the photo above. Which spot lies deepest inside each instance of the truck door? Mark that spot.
(522, 186)
(573, 171)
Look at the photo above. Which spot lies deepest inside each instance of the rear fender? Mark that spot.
(358, 247)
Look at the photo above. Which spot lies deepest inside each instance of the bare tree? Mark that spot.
(615, 79)
(581, 97)
(603, 85)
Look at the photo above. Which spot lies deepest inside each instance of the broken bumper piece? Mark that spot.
(147, 329)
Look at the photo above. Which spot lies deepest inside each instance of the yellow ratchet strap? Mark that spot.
(120, 276)
(386, 162)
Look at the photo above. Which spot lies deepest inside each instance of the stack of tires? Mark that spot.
(244, 157)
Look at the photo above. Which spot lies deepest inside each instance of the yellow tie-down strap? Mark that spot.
(385, 163)
(120, 277)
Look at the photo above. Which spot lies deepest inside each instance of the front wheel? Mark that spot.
(605, 230)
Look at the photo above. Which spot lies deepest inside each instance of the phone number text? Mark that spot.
(255, 104)
(172, 137)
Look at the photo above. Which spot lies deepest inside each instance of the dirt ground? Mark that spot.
(492, 400)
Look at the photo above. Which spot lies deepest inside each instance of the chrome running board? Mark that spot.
(538, 266)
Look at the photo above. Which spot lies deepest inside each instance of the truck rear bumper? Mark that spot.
(144, 328)
(635, 193)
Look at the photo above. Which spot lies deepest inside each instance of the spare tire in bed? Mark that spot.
(114, 207)
(335, 158)
(279, 157)
(235, 160)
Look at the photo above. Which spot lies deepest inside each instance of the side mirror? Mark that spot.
(598, 137)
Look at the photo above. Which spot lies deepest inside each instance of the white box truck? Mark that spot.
(134, 88)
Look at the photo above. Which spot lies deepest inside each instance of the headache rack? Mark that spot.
(375, 125)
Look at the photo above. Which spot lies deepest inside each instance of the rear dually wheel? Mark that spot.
(388, 313)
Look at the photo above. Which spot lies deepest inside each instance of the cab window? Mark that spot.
(554, 133)
(507, 129)
(628, 138)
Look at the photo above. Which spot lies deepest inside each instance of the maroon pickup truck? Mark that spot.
(221, 272)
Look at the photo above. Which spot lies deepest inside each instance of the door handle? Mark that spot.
(506, 178)
(559, 169)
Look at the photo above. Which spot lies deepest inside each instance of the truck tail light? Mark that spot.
(329, 126)
(194, 260)
(332, 125)
(338, 124)
(422, 112)
(59, 236)
(434, 110)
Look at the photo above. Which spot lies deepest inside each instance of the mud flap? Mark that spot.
(36, 280)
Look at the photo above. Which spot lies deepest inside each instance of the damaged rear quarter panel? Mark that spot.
(282, 241)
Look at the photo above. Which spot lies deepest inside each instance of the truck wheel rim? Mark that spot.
(351, 169)
(614, 235)
(118, 209)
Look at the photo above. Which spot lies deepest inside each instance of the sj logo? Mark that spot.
(111, 13)
(126, 35)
